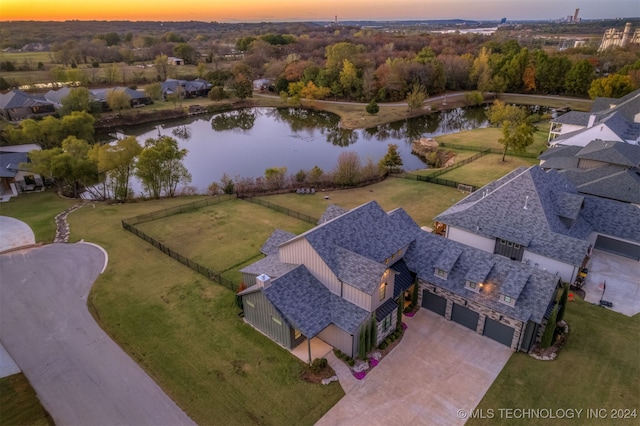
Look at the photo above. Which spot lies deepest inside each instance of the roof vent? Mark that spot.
(526, 201)
(263, 280)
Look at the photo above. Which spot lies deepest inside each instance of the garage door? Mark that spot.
(465, 316)
(434, 303)
(618, 247)
(498, 332)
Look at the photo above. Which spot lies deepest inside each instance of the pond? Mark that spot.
(246, 142)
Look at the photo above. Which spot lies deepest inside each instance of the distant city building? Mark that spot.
(613, 37)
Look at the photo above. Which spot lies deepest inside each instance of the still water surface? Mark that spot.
(247, 142)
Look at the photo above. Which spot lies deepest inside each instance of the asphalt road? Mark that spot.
(81, 376)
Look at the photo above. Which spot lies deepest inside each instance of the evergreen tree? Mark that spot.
(563, 301)
(362, 346)
(549, 331)
(373, 333)
(372, 107)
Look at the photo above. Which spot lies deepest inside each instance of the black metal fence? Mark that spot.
(433, 177)
(284, 210)
(129, 225)
(209, 273)
(182, 208)
(488, 150)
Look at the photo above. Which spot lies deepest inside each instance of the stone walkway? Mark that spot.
(62, 226)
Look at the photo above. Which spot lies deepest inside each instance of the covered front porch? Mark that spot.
(309, 350)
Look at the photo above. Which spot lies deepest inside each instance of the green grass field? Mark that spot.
(223, 235)
(486, 169)
(19, 404)
(597, 369)
(38, 210)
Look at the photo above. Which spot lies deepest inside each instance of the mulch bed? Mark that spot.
(312, 377)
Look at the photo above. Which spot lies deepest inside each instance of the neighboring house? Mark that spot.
(17, 105)
(609, 119)
(172, 60)
(607, 169)
(138, 98)
(13, 178)
(189, 88)
(262, 85)
(538, 218)
(56, 96)
(332, 280)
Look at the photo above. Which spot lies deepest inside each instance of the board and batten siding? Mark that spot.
(375, 297)
(340, 339)
(260, 313)
(357, 297)
(300, 252)
(471, 239)
(565, 271)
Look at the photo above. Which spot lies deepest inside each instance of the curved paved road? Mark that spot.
(81, 376)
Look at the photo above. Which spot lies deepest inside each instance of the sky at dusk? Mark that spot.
(311, 10)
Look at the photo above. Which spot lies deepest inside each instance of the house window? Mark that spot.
(503, 242)
(250, 304)
(516, 246)
(386, 323)
(276, 320)
(473, 286)
(296, 334)
(386, 261)
(507, 299)
(440, 272)
(382, 291)
(509, 244)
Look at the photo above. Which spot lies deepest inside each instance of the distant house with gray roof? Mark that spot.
(539, 218)
(14, 178)
(358, 267)
(136, 97)
(185, 88)
(17, 105)
(609, 119)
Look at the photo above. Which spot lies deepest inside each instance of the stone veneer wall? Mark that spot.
(484, 312)
(380, 334)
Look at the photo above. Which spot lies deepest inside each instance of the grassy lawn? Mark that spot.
(237, 227)
(19, 404)
(423, 201)
(598, 368)
(185, 331)
(549, 101)
(487, 169)
(488, 138)
(37, 210)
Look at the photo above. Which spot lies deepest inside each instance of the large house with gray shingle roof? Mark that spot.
(17, 105)
(540, 219)
(333, 280)
(602, 168)
(608, 120)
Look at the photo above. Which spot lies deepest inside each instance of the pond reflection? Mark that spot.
(246, 142)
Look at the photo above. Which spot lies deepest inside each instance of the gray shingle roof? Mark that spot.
(331, 212)
(277, 237)
(448, 258)
(269, 265)
(309, 306)
(479, 273)
(613, 152)
(576, 118)
(18, 99)
(358, 271)
(10, 162)
(515, 282)
(532, 301)
(613, 218)
(367, 231)
(610, 182)
(498, 211)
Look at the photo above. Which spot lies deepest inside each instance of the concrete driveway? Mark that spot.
(622, 276)
(80, 375)
(440, 367)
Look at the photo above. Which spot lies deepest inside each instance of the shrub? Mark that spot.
(388, 341)
(318, 365)
(351, 362)
(382, 346)
(337, 353)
